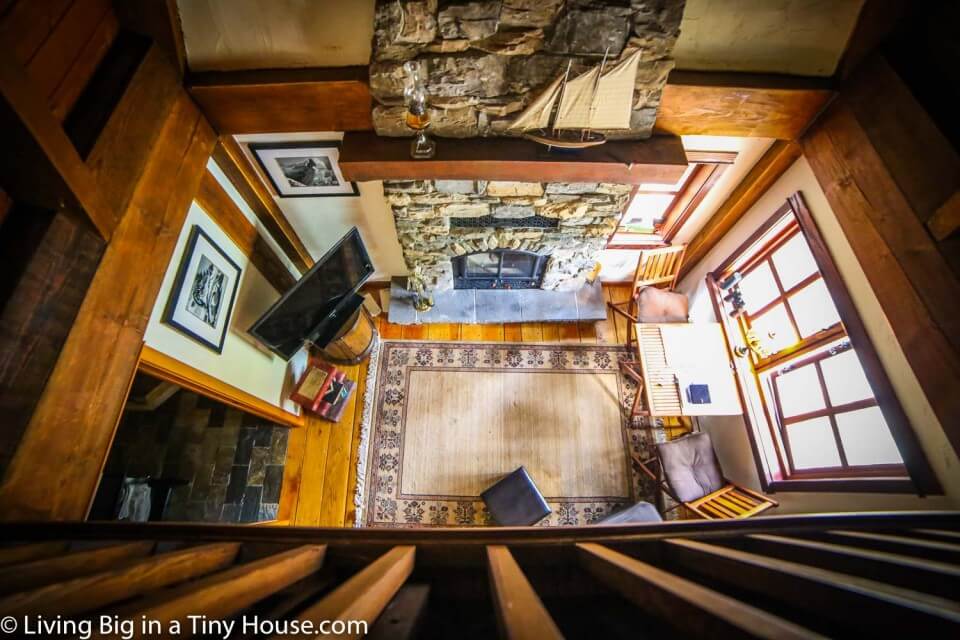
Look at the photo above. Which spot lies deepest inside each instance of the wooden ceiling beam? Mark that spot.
(230, 158)
(279, 100)
(338, 99)
(366, 156)
(217, 203)
(740, 104)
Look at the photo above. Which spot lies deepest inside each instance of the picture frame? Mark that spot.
(201, 300)
(309, 169)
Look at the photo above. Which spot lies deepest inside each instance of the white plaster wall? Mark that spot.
(802, 37)
(320, 222)
(244, 363)
(729, 433)
(268, 34)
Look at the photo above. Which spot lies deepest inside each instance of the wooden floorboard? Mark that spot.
(321, 474)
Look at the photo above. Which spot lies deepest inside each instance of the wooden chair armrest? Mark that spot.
(758, 496)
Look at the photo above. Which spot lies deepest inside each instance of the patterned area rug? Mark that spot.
(385, 498)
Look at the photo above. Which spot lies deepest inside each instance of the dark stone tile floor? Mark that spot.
(229, 465)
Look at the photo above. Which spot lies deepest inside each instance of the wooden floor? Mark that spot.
(320, 477)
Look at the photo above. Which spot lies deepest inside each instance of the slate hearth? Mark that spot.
(485, 306)
(226, 466)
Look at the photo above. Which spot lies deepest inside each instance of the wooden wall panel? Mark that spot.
(60, 43)
(40, 164)
(919, 293)
(49, 261)
(57, 467)
(120, 153)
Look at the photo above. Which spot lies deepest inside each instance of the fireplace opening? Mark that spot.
(498, 269)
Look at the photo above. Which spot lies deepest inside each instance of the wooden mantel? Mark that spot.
(367, 156)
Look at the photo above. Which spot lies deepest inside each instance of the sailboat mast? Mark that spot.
(563, 87)
(593, 99)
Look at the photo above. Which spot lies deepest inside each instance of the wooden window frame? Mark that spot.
(709, 167)
(919, 477)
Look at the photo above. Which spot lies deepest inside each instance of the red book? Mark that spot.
(313, 384)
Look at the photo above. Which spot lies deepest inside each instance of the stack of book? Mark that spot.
(324, 390)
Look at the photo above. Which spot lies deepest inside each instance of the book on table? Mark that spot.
(323, 390)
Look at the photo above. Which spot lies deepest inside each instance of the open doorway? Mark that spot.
(183, 457)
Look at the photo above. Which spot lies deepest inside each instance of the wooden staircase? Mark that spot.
(768, 577)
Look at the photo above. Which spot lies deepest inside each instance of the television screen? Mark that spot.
(303, 310)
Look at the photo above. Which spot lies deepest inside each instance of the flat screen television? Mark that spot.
(316, 307)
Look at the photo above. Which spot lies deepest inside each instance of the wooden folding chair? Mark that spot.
(655, 268)
(631, 369)
(688, 471)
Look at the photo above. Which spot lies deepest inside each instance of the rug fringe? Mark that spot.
(365, 422)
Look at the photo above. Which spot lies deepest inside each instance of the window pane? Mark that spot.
(813, 309)
(800, 391)
(846, 381)
(517, 265)
(812, 444)
(758, 288)
(793, 261)
(866, 438)
(646, 211)
(775, 322)
(482, 264)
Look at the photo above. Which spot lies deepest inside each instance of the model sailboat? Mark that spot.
(568, 113)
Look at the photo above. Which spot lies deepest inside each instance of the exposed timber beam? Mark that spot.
(276, 100)
(366, 156)
(740, 104)
(768, 169)
(230, 158)
(338, 99)
(214, 200)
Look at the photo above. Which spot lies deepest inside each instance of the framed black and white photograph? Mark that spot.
(303, 169)
(203, 292)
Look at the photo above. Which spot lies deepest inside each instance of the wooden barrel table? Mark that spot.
(352, 344)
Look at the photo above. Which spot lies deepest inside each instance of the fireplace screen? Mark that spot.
(500, 269)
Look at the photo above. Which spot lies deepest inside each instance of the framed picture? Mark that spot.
(304, 169)
(203, 292)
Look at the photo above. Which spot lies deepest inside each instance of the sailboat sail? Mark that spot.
(537, 113)
(614, 98)
(574, 110)
(589, 101)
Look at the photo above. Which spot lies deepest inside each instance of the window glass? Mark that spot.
(813, 309)
(517, 265)
(758, 288)
(812, 444)
(846, 381)
(866, 438)
(793, 261)
(774, 329)
(800, 391)
(646, 211)
(672, 188)
(482, 264)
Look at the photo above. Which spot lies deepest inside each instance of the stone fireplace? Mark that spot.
(465, 234)
(498, 269)
(485, 60)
